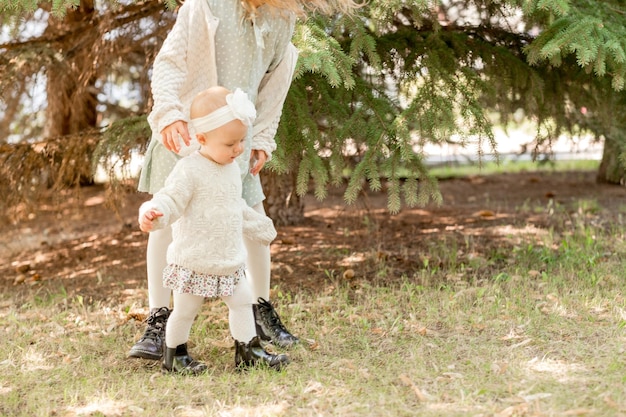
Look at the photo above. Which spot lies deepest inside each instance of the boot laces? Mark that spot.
(270, 315)
(156, 324)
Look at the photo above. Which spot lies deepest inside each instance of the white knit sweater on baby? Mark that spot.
(202, 200)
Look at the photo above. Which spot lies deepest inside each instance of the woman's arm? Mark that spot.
(270, 100)
(168, 77)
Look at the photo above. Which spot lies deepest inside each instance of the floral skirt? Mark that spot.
(186, 281)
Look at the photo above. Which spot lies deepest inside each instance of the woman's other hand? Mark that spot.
(258, 158)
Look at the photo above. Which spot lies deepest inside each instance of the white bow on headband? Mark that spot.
(238, 106)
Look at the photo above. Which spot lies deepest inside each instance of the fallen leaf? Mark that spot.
(578, 412)
(418, 392)
(452, 375)
(136, 316)
(313, 386)
(486, 213)
(520, 344)
(514, 410)
(534, 397)
(312, 344)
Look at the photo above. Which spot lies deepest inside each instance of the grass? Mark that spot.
(534, 327)
(453, 170)
(542, 335)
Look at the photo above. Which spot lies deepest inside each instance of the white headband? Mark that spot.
(238, 106)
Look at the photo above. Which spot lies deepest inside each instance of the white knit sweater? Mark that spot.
(202, 200)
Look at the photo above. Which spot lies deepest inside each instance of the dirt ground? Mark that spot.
(84, 248)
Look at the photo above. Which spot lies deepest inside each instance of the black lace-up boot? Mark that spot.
(150, 346)
(252, 353)
(269, 327)
(177, 360)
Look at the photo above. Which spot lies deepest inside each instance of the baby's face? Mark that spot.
(225, 143)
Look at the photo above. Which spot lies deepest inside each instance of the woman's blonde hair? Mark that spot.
(301, 7)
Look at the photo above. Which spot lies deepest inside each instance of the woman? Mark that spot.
(236, 44)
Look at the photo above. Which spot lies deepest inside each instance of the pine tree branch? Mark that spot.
(115, 20)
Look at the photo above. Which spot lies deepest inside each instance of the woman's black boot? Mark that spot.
(178, 360)
(150, 346)
(270, 327)
(252, 353)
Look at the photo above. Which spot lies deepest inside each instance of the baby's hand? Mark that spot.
(146, 223)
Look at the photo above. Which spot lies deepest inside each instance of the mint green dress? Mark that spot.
(245, 50)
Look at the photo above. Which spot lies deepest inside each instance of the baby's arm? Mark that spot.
(257, 226)
(169, 203)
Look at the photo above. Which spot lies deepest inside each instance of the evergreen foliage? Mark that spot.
(122, 141)
(370, 90)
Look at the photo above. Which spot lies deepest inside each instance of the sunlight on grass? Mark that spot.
(560, 370)
(34, 361)
(104, 406)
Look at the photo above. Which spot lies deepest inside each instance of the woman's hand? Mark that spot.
(171, 134)
(146, 222)
(258, 158)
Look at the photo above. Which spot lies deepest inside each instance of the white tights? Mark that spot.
(240, 316)
(158, 241)
(257, 263)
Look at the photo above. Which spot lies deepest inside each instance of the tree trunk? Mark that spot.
(71, 93)
(71, 80)
(611, 170)
(282, 203)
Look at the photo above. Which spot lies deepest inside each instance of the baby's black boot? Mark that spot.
(252, 353)
(177, 360)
